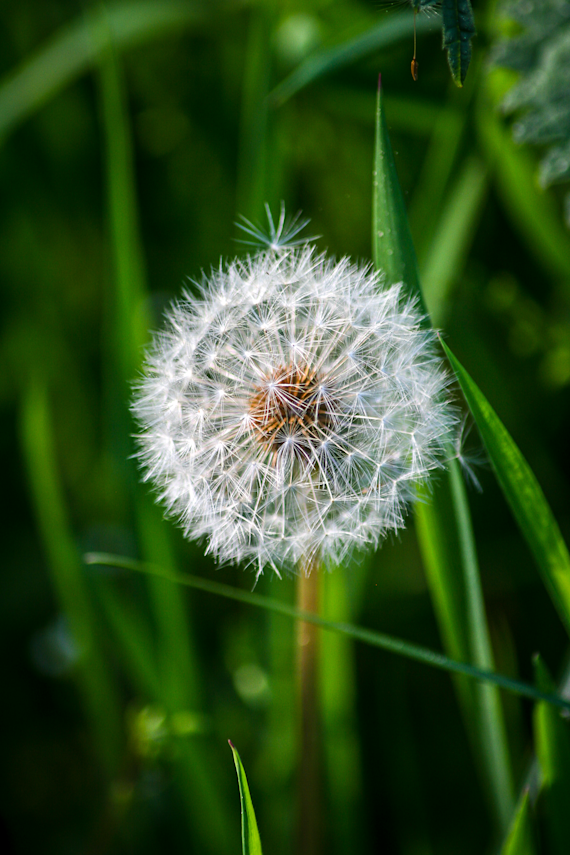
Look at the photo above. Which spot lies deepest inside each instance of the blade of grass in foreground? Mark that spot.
(367, 636)
(523, 493)
(458, 602)
(250, 842)
(77, 46)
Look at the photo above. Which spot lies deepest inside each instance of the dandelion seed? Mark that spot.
(292, 409)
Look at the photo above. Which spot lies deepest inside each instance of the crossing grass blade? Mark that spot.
(366, 636)
(523, 493)
(75, 48)
(250, 841)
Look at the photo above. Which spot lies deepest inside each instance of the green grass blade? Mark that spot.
(465, 623)
(453, 237)
(68, 576)
(367, 636)
(341, 593)
(520, 838)
(253, 153)
(76, 47)
(133, 639)
(458, 30)
(492, 732)
(387, 32)
(392, 247)
(552, 740)
(250, 842)
(523, 493)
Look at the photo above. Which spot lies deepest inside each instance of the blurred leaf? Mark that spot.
(531, 210)
(68, 576)
(465, 620)
(458, 30)
(520, 838)
(553, 749)
(250, 842)
(387, 32)
(367, 636)
(523, 494)
(541, 52)
(77, 46)
(453, 236)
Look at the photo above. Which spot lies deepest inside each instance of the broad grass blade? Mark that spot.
(523, 493)
(520, 838)
(398, 26)
(75, 48)
(250, 841)
(458, 602)
(367, 636)
(552, 740)
(392, 248)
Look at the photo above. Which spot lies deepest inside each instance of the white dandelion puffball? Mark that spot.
(290, 412)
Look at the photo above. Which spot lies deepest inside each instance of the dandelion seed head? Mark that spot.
(292, 409)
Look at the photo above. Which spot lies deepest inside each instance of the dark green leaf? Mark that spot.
(458, 30)
(523, 493)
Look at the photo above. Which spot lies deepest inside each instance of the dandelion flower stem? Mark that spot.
(309, 768)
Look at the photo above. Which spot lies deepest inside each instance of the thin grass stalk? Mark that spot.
(309, 787)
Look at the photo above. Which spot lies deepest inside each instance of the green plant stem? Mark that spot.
(309, 769)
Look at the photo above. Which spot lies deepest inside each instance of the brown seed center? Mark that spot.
(291, 407)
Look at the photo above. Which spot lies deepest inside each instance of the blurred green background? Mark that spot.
(132, 137)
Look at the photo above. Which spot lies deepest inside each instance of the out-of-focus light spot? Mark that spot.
(53, 650)
(251, 683)
(295, 37)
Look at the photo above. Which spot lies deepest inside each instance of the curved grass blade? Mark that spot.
(458, 30)
(250, 842)
(367, 636)
(520, 838)
(77, 46)
(523, 493)
(398, 26)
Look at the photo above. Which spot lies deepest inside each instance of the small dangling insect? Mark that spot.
(414, 65)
